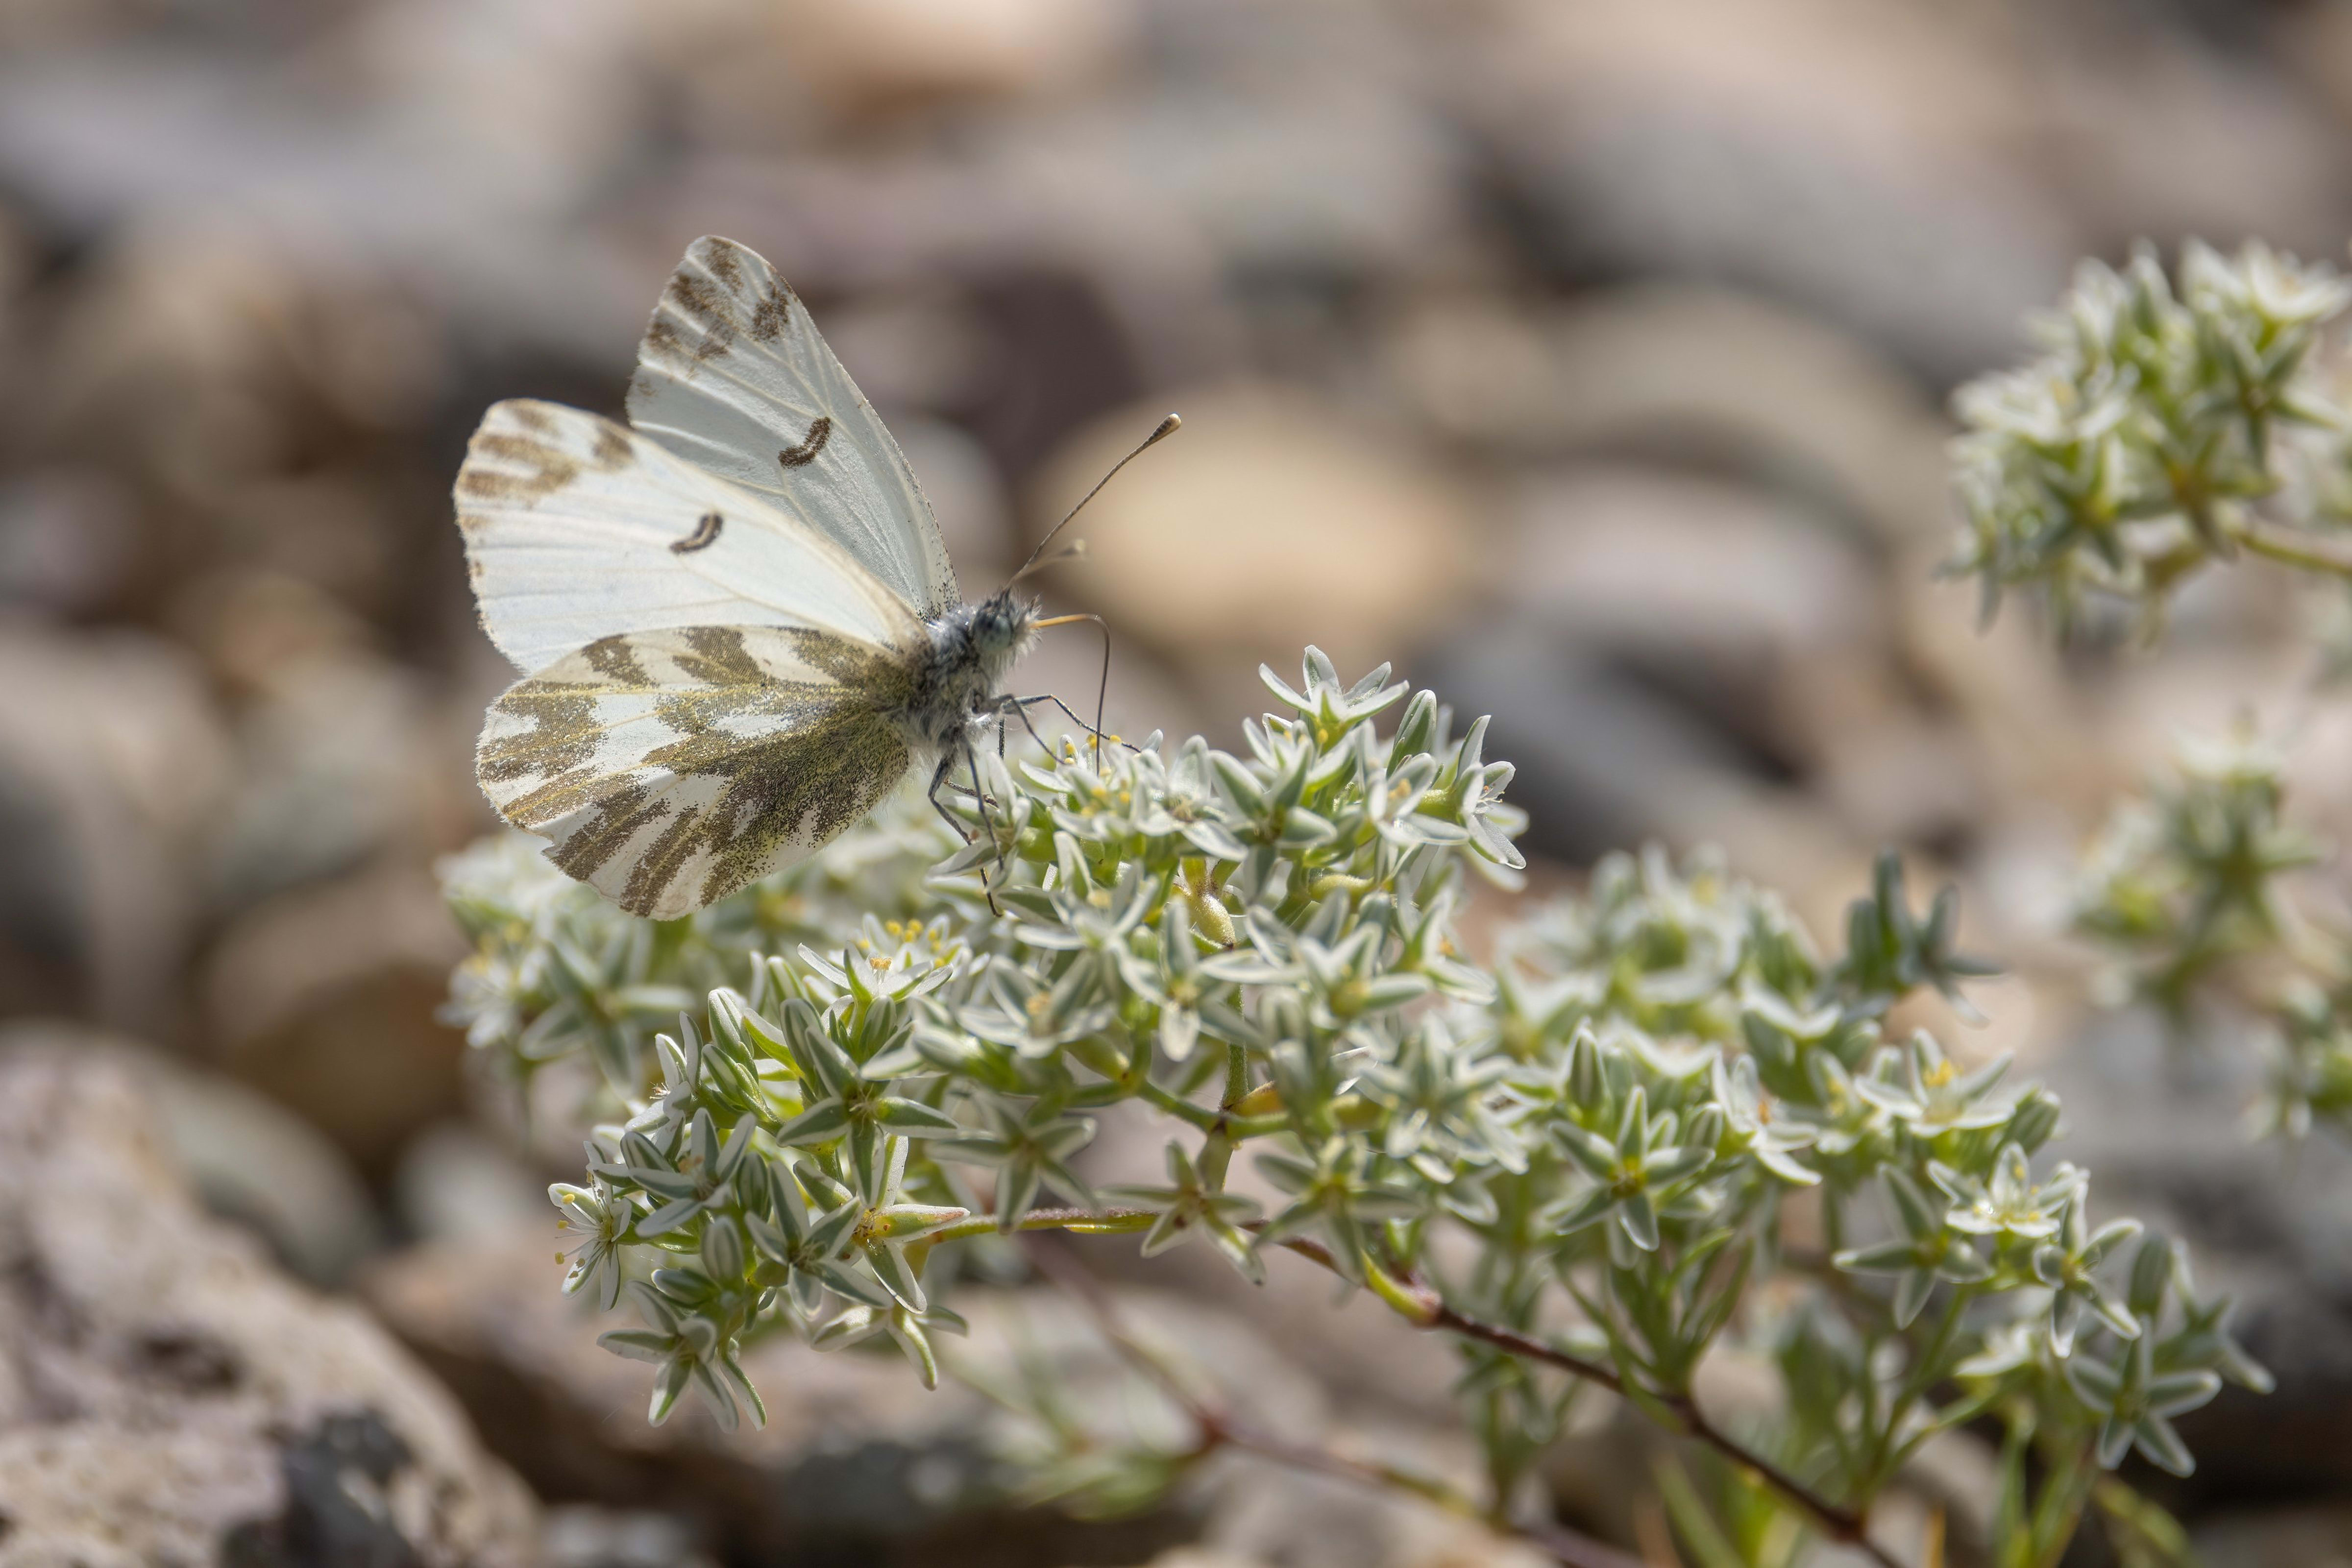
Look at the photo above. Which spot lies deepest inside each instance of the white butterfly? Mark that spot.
(738, 616)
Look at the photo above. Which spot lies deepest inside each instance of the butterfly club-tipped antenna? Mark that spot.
(1038, 560)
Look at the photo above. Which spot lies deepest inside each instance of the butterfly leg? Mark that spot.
(1018, 707)
(939, 781)
(1073, 718)
(987, 824)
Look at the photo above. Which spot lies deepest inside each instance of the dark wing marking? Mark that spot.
(672, 768)
(802, 455)
(705, 534)
(573, 523)
(731, 369)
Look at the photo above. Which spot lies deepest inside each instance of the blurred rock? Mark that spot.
(2038, 739)
(516, 104)
(1269, 521)
(1679, 658)
(247, 1157)
(2164, 135)
(342, 755)
(251, 1160)
(327, 999)
(335, 772)
(169, 1399)
(1200, 1557)
(2314, 1537)
(438, 138)
(66, 540)
(1313, 175)
(347, 532)
(1604, 759)
(1854, 158)
(856, 1458)
(891, 56)
(261, 633)
(1723, 382)
(209, 354)
(913, 345)
(582, 1535)
(1653, 561)
(1894, 777)
(16, 264)
(112, 762)
(1270, 1513)
(1848, 157)
(454, 1183)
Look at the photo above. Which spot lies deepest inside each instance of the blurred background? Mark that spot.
(1586, 360)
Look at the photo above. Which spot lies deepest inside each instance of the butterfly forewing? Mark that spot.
(670, 767)
(577, 528)
(732, 376)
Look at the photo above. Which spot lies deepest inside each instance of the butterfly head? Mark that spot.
(1002, 626)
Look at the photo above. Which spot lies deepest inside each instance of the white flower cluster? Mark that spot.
(1627, 1115)
(2162, 429)
(2191, 890)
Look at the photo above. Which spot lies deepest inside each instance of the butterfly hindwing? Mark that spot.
(577, 528)
(732, 376)
(670, 767)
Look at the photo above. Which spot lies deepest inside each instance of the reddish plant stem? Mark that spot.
(1842, 1524)
(1218, 1428)
(1422, 1306)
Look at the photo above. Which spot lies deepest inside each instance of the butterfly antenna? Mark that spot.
(1070, 551)
(1166, 428)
